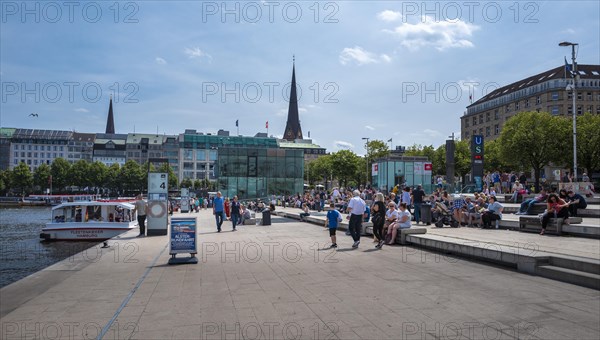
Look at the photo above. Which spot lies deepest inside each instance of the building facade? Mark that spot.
(81, 146)
(110, 148)
(36, 147)
(252, 172)
(5, 138)
(546, 91)
(398, 170)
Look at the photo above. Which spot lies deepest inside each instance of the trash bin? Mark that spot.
(426, 213)
(266, 217)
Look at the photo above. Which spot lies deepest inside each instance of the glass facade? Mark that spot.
(393, 172)
(252, 172)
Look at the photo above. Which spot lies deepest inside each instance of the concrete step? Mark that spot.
(574, 263)
(576, 277)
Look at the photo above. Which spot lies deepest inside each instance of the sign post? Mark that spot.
(158, 213)
(185, 200)
(477, 147)
(182, 240)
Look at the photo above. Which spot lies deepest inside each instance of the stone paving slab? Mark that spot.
(274, 282)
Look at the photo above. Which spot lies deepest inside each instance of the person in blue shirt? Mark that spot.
(367, 215)
(219, 210)
(333, 219)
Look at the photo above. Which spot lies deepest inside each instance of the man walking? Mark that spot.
(417, 200)
(140, 207)
(356, 209)
(218, 210)
(235, 212)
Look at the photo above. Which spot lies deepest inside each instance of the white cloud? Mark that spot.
(281, 113)
(368, 127)
(361, 56)
(160, 61)
(82, 110)
(388, 15)
(431, 133)
(441, 35)
(302, 109)
(196, 52)
(568, 31)
(340, 144)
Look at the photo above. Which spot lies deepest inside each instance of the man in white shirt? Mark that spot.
(356, 209)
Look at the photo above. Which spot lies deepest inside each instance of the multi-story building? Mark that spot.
(198, 152)
(109, 148)
(81, 146)
(5, 137)
(546, 91)
(36, 147)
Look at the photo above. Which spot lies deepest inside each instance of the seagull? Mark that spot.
(33, 115)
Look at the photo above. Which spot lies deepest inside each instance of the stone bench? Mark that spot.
(250, 221)
(534, 224)
(401, 235)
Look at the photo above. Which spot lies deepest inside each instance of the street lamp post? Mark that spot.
(574, 90)
(367, 159)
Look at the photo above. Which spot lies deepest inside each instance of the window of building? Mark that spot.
(496, 114)
(579, 110)
(555, 111)
(23, 154)
(487, 116)
(55, 155)
(481, 131)
(200, 155)
(496, 129)
(35, 162)
(526, 103)
(590, 109)
(474, 120)
(517, 106)
(212, 155)
(188, 154)
(466, 134)
(35, 154)
(480, 119)
(589, 96)
(61, 148)
(188, 165)
(29, 162)
(598, 109)
(554, 95)
(570, 110)
(579, 96)
(538, 100)
(16, 161)
(55, 148)
(569, 95)
(507, 109)
(17, 152)
(466, 123)
(201, 166)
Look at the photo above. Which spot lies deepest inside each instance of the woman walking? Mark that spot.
(378, 219)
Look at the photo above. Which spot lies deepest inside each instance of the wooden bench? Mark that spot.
(534, 224)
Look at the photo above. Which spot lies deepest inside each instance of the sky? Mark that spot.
(365, 69)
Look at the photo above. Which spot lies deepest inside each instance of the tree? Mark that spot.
(113, 181)
(186, 183)
(320, 168)
(534, 139)
(588, 143)
(79, 174)
(344, 165)
(375, 149)
(462, 158)
(430, 152)
(97, 174)
(21, 177)
(197, 184)
(133, 176)
(4, 181)
(60, 169)
(41, 176)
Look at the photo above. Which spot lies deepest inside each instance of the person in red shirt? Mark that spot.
(557, 208)
(227, 208)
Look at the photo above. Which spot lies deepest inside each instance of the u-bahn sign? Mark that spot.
(477, 148)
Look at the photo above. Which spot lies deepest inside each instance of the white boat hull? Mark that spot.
(99, 231)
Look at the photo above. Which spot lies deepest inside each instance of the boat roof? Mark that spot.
(94, 203)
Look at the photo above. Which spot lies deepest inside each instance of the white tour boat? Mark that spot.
(89, 221)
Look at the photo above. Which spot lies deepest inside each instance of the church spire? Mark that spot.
(292, 127)
(110, 122)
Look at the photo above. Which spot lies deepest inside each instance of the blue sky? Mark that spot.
(389, 69)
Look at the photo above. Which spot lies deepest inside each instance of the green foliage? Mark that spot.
(534, 140)
(377, 149)
(97, 174)
(186, 183)
(197, 184)
(320, 169)
(60, 169)
(41, 176)
(4, 181)
(132, 176)
(79, 174)
(21, 178)
(588, 142)
(113, 180)
(345, 164)
(462, 158)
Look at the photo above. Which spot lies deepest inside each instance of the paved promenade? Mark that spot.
(276, 282)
